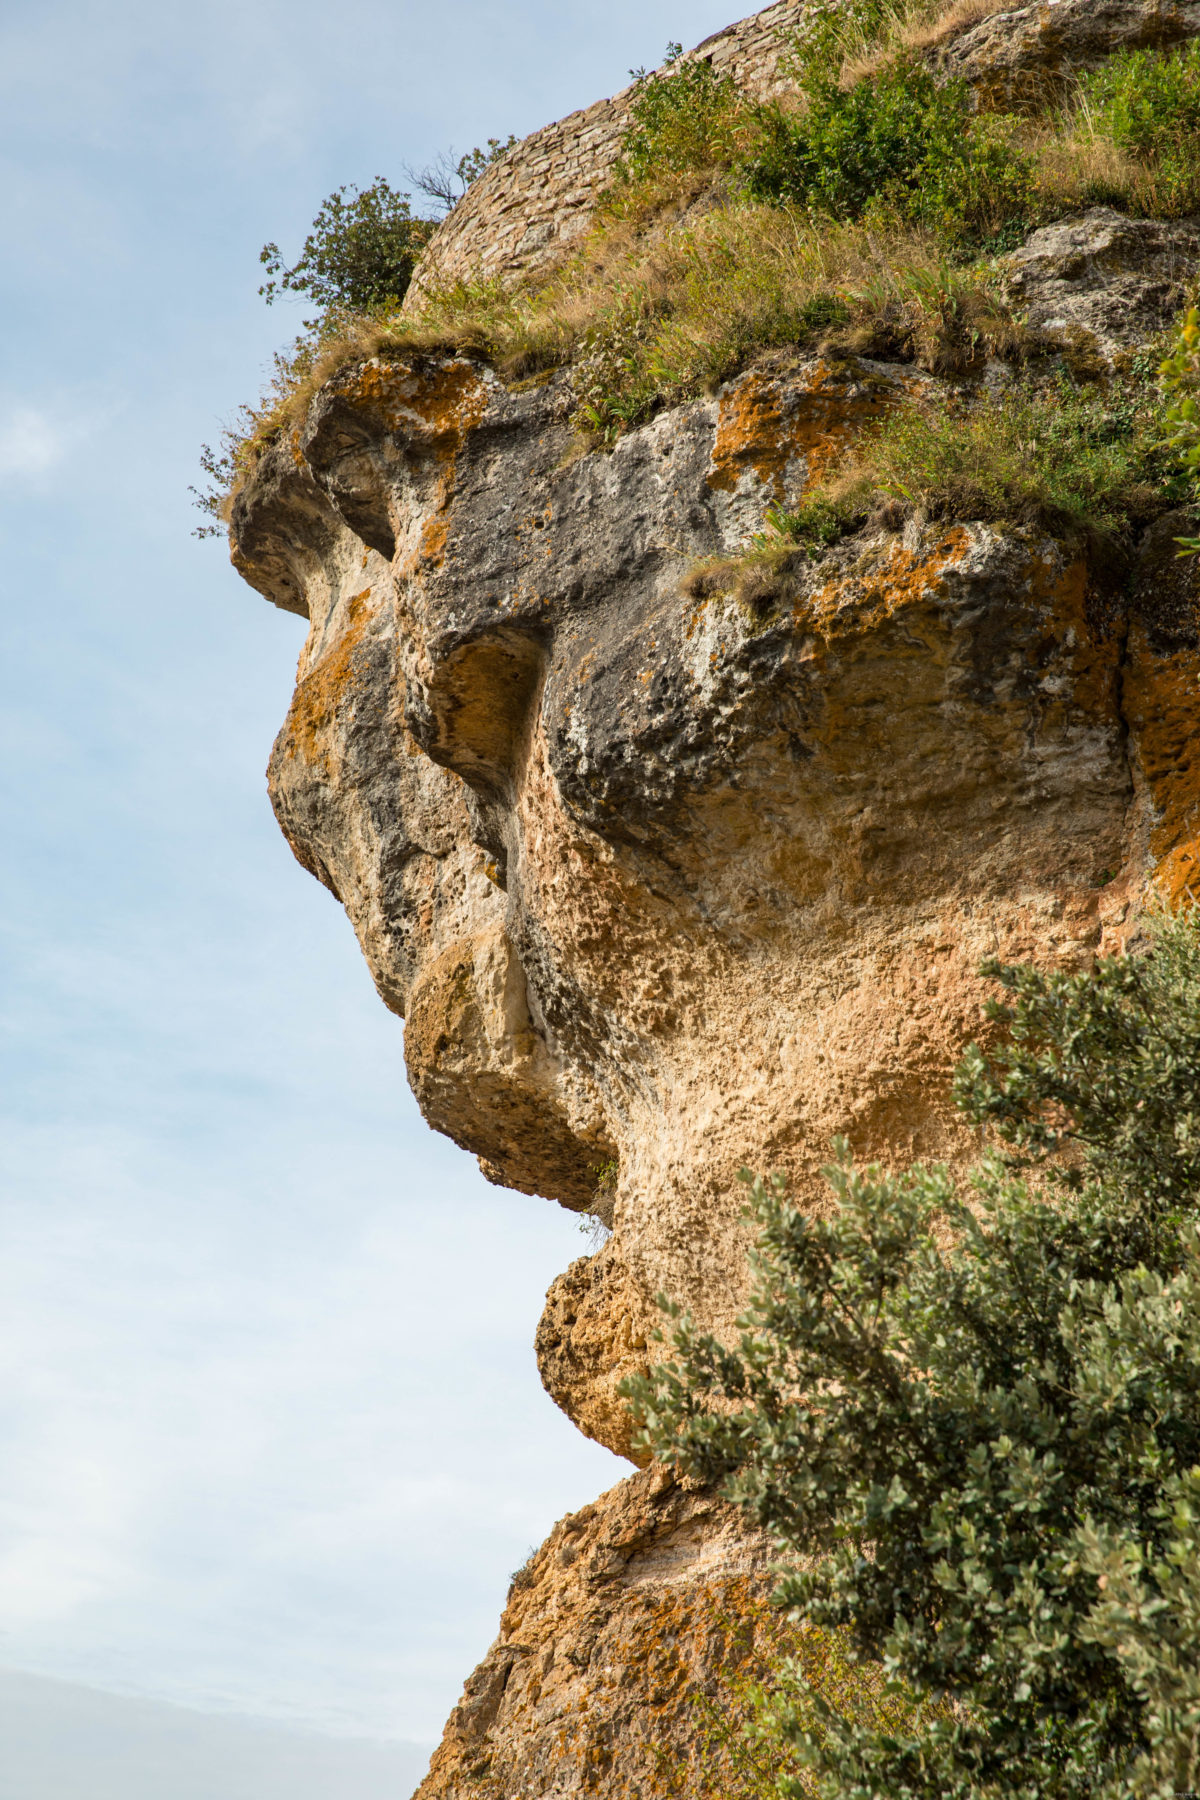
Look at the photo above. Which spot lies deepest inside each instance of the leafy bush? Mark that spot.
(984, 1420)
(1147, 103)
(359, 255)
(788, 1675)
(1180, 375)
(895, 142)
(683, 116)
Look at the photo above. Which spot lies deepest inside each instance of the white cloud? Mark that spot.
(30, 442)
(36, 439)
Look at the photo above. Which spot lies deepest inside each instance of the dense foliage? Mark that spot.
(1148, 105)
(895, 143)
(359, 254)
(1180, 374)
(686, 115)
(745, 1735)
(983, 1420)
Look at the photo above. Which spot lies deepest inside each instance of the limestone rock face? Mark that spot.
(631, 1609)
(1022, 55)
(1103, 279)
(670, 882)
(665, 881)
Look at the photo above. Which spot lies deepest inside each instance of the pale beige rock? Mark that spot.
(676, 883)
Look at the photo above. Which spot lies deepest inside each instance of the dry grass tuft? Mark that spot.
(911, 30)
(647, 316)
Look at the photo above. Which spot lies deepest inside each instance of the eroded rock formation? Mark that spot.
(665, 881)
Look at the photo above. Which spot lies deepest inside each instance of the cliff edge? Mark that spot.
(674, 861)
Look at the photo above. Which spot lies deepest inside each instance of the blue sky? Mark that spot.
(271, 1435)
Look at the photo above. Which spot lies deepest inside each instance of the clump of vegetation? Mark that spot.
(1067, 460)
(785, 1674)
(858, 217)
(978, 1414)
(766, 574)
(1180, 373)
(896, 144)
(1147, 105)
(358, 257)
(684, 116)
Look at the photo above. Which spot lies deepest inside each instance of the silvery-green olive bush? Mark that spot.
(974, 1417)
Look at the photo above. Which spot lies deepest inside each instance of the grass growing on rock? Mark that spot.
(859, 215)
(1052, 457)
(647, 318)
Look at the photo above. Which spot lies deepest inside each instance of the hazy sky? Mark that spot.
(271, 1435)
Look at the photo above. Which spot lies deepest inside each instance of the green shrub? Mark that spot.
(793, 1679)
(895, 142)
(1147, 103)
(983, 1421)
(1180, 375)
(359, 255)
(684, 116)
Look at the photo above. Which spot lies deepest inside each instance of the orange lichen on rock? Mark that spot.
(438, 405)
(1161, 703)
(858, 603)
(788, 435)
(308, 731)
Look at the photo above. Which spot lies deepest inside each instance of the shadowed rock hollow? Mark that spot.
(665, 881)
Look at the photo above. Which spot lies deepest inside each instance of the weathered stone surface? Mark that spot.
(590, 1337)
(1116, 281)
(529, 207)
(1022, 56)
(671, 882)
(629, 1611)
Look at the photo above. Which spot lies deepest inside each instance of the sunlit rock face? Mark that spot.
(666, 882)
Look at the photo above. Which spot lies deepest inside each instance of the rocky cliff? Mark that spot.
(666, 877)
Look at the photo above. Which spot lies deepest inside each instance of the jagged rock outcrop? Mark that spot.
(1021, 56)
(665, 880)
(632, 1609)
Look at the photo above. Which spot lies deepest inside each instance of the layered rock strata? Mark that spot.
(665, 879)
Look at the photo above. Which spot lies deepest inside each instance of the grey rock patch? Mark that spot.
(1120, 280)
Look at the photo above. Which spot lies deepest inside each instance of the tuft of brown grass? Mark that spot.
(910, 30)
(650, 316)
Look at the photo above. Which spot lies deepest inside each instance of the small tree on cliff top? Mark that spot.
(984, 1422)
(359, 255)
